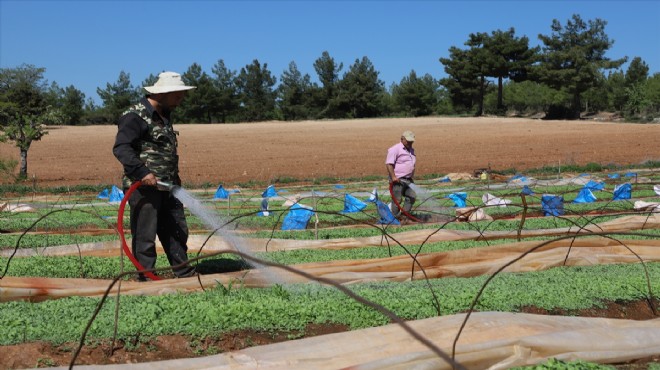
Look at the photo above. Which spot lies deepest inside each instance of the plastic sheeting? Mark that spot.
(269, 192)
(297, 218)
(622, 191)
(221, 193)
(352, 204)
(552, 205)
(104, 194)
(14, 208)
(491, 200)
(217, 243)
(116, 195)
(585, 196)
(373, 197)
(595, 186)
(458, 263)
(458, 198)
(472, 214)
(526, 190)
(264, 211)
(641, 205)
(490, 340)
(386, 216)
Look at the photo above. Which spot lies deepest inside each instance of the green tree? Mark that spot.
(529, 97)
(596, 97)
(228, 101)
(636, 101)
(481, 60)
(255, 86)
(652, 92)
(638, 72)
(509, 57)
(328, 72)
(149, 81)
(616, 90)
(462, 81)
(53, 95)
(94, 114)
(24, 111)
(499, 55)
(199, 105)
(73, 102)
(415, 96)
(361, 92)
(573, 57)
(118, 96)
(294, 94)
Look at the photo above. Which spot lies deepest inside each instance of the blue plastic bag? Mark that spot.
(221, 193)
(458, 198)
(386, 216)
(116, 195)
(297, 218)
(352, 204)
(103, 194)
(269, 192)
(552, 205)
(373, 197)
(526, 190)
(593, 185)
(264, 208)
(585, 196)
(622, 191)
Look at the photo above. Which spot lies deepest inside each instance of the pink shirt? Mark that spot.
(402, 160)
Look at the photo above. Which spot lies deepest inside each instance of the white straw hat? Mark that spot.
(168, 82)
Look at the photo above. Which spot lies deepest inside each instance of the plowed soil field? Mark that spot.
(268, 151)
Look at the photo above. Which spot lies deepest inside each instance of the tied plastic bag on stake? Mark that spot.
(552, 205)
(352, 204)
(297, 218)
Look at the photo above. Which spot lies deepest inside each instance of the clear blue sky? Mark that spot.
(88, 43)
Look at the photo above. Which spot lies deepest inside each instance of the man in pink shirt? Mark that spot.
(400, 164)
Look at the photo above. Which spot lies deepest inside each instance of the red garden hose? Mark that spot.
(399, 206)
(120, 227)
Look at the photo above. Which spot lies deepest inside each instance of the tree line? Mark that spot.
(495, 73)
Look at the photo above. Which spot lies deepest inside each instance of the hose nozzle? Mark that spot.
(164, 186)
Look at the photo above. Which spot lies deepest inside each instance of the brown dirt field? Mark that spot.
(267, 151)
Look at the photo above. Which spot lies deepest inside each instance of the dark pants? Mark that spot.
(403, 192)
(155, 212)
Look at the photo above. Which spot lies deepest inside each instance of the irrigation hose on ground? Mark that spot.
(120, 228)
(396, 202)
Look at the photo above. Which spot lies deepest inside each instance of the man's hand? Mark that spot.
(149, 180)
(395, 180)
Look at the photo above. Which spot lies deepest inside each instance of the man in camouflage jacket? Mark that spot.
(146, 146)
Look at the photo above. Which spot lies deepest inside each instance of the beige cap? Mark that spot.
(408, 135)
(168, 82)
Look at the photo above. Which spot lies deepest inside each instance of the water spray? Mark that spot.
(396, 202)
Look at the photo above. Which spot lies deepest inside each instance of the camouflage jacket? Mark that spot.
(156, 148)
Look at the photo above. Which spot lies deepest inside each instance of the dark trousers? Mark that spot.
(404, 195)
(155, 212)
